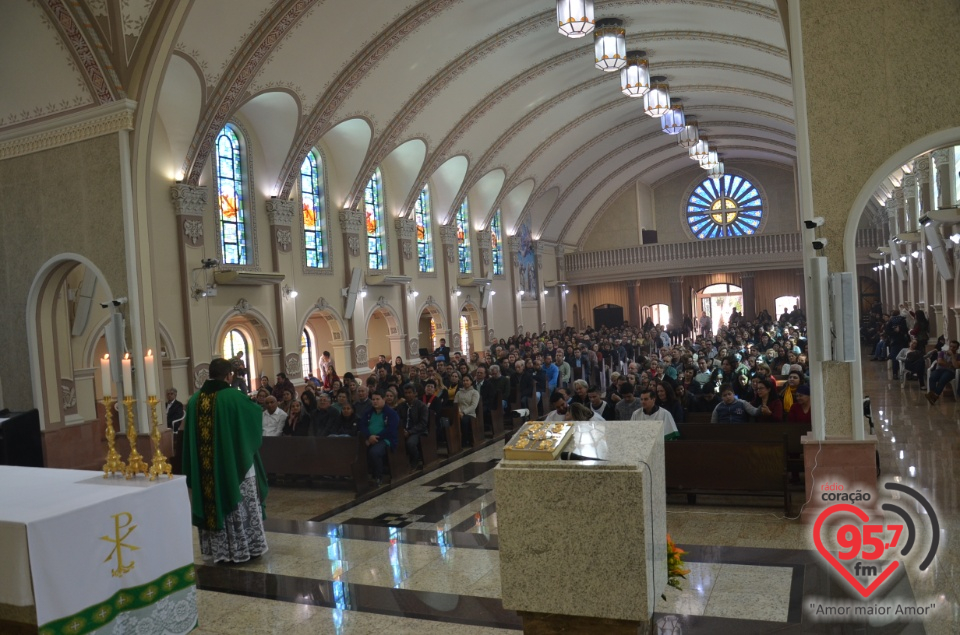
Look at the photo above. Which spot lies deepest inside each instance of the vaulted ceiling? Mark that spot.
(479, 97)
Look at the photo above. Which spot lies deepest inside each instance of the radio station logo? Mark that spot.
(865, 549)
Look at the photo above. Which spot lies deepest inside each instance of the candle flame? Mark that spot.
(149, 352)
(126, 355)
(106, 356)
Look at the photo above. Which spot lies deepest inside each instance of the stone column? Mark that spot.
(748, 284)
(900, 206)
(676, 302)
(189, 203)
(922, 170)
(633, 311)
(409, 266)
(451, 269)
(943, 179)
(562, 290)
(911, 199)
(281, 214)
(352, 228)
(514, 243)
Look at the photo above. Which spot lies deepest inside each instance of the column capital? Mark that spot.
(676, 280)
(898, 195)
(448, 235)
(351, 221)
(406, 228)
(747, 275)
(281, 211)
(188, 200)
(941, 156)
(922, 168)
(485, 245)
(910, 182)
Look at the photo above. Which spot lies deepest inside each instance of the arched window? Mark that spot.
(306, 352)
(235, 342)
(232, 212)
(421, 214)
(496, 237)
(311, 192)
(373, 210)
(463, 237)
(728, 206)
(465, 336)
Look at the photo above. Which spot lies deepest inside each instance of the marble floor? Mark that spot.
(423, 557)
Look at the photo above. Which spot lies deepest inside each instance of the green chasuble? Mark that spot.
(222, 434)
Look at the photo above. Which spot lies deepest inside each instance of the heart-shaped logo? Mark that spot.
(829, 557)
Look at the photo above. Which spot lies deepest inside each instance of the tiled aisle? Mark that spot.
(422, 558)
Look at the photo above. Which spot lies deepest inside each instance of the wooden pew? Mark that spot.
(428, 444)
(318, 456)
(454, 442)
(727, 468)
(791, 433)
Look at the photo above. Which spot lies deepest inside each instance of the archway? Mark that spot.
(64, 316)
(262, 355)
(786, 304)
(658, 313)
(609, 315)
(470, 332)
(323, 330)
(718, 301)
(384, 335)
(430, 327)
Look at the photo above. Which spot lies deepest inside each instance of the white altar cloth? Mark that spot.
(97, 555)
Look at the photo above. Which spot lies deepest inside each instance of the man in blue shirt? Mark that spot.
(553, 373)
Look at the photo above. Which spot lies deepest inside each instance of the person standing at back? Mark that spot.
(221, 460)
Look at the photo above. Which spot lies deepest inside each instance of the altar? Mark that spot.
(84, 554)
(586, 537)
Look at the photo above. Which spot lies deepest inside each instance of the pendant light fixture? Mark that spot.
(700, 149)
(635, 76)
(716, 172)
(711, 161)
(610, 44)
(575, 17)
(690, 134)
(673, 121)
(657, 100)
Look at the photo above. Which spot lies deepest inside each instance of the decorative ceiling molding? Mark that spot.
(71, 128)
(657, 67)
(87, 50)
(318, 122)
(693, 167)
(254, 51)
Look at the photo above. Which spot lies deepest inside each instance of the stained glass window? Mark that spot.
(311, 191)
(464, 336)
(496, 237)
(463, 237)
(232, 216)
(728, 206)
(421, 214)
(373, 212)
(306, 352)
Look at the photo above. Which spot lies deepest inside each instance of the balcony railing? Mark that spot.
(746, 252)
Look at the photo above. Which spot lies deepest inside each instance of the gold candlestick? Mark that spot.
(114, 464)
(159, 463)
(135, 462)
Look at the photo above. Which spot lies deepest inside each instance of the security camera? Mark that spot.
(210, 263)
(819, 243)
(925, 220)
(814, 222)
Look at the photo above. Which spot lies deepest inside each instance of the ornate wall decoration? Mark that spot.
(361, 356)
(353, 243)
(491, 337)
(188, 200)
(242, 306)
(193, 231)
(281, 211)
(201, 372)
(486, 246)
(284, 239)
(456, 341)
(293, 365)
(414, 347)
(351, 221)
(68, 396)
(407, 233)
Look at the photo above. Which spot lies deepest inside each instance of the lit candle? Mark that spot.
(127, 376)
(151, 373)
(105, 376)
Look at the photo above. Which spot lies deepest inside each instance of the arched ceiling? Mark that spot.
(487, 89)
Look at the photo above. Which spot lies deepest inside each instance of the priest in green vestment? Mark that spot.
(222, 435)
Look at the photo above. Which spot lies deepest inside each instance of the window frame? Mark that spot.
(321, 228)
(426, 261)
(742, 184)
(248, 201)
(380, 234)
(497, 264)
(464, 256)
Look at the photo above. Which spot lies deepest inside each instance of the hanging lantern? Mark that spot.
(716, 172)
(657, 101)
(610, 44)
(635, 76)
(711, 161)
(699, 151)
(575, 17)
(690, 135)
(673, 121)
